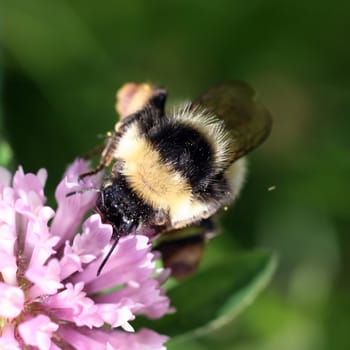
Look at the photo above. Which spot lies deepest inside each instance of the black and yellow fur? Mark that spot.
(172, 170)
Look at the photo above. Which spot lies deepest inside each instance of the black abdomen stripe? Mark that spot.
(186, 150)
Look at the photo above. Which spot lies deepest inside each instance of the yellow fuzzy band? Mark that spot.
(154, 181)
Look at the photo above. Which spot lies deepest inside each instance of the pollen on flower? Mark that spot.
(50, 296)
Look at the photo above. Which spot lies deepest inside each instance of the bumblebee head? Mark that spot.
(121, 207)
(115, 208)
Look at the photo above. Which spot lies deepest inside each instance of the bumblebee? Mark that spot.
(172, 171)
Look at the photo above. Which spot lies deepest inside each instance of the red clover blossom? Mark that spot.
(50, 296)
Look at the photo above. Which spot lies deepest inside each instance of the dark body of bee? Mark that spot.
(172, 171)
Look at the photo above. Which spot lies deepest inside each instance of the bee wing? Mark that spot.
(248, 121)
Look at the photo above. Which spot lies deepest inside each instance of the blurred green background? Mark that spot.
(61, 63)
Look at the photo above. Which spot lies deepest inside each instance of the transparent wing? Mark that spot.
(247, 119)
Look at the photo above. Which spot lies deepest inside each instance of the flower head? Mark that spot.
(50, 296)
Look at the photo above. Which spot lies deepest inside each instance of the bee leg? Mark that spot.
(107, 155)
(97, 150)
(156, 102)
(210, 229)
(182, 249)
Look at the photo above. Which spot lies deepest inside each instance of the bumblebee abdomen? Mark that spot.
(178, 164)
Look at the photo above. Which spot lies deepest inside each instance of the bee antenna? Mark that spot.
(107, 256)
(83, 190)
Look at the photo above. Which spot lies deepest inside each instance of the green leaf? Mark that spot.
(215, 296)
